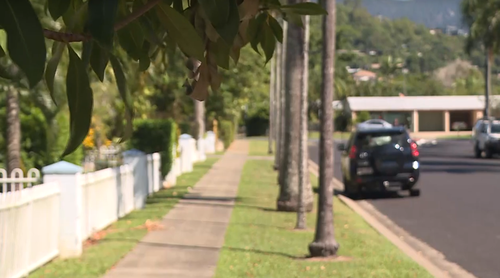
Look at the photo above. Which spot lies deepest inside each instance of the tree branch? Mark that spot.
(70, 37)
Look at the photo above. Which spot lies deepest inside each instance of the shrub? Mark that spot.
(342, 121)
(227, 132)
(157, 135)
(256, 126)
(363, 116)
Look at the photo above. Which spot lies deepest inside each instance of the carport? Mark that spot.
(433, 115)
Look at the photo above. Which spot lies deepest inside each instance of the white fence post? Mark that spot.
(137, 160)
(156, 171)
(201, 149)
(70, 232)
(186, 155)
(150, 174)
(171, 177)
(210, 142)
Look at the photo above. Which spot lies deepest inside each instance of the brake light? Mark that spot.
(414, 149)
(353, 152)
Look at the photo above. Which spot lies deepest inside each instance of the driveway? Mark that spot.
(458, 212)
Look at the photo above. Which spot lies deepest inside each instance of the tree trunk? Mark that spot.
(13, 131)
(278, 109)
(199, 113)
(303, 154)
(272, 111)
(324, 243)
(288, 199)
(281, 173)
(487, 76)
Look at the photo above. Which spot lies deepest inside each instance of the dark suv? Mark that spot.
(380, 158)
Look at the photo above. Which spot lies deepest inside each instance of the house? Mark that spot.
(364, 75)
(425, 115)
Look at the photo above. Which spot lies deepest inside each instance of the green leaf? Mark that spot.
(305, 8)
(181, 30)
(131, 39)
(268, 42)
(221, 53)
(86, 52)
(144, 61)
(50, 70)
(2, 52)
(75, 17)
(217, 11)
(178, 6)
(276, 28)
(99, 60)
(101, 20)
(254, 33)
(229, 28)
(80, 101)
(25, 41)
(58, 7)
(121, 82)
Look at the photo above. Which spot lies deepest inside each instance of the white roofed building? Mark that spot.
(421, 114)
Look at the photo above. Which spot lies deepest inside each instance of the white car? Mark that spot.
(486, 137)
(374, 123)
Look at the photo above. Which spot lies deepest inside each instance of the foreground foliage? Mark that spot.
(212, 32)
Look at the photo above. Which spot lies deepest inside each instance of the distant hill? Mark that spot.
(431, 13)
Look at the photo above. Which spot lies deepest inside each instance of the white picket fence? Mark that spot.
(39, 223)
(29, 223)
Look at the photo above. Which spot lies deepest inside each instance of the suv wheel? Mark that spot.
(488, 153)
(477, 151)
(414, 192)
(350, 190)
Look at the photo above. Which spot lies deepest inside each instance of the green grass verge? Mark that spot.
(258, 147)
(260, 242)
(103, 254)
(336, 135)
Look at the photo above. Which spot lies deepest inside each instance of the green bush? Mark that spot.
(363, 116)
(227, 132)
(256, 126)
(152, 136)
(342, 121)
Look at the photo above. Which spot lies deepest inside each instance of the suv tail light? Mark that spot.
(414, 149)
(353, 152)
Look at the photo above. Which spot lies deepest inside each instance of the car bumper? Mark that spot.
(401, 181)
(493, 146)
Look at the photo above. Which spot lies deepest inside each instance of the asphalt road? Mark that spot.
(458, 212)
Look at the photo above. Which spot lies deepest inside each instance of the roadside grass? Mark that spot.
(258, 147)
(336, 135)
(113, 243)
(456, 137)
(260, 242)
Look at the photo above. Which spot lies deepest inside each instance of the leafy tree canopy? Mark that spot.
(90, 32)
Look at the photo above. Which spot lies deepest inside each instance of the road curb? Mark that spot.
(433, 261)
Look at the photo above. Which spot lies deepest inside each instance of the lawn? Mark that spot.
(258, 147)
(101, 254)
(260, 242)
(336, 135)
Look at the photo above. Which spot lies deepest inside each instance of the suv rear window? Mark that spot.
(495, 128)
(377, 139)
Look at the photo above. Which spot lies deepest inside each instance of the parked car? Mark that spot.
(486, 137)
(380, 159)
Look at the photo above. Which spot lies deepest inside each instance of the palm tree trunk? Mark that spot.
(324, 243)
(288, 199)
(487, 76)
(13, 131)
(303, 155)
(278, 107)
(272, 110)
(199, 109)
(281, 166)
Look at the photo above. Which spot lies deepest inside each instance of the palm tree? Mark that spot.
(289, 184)
(303, 155)
(324, 243)
(278, 115)
(272, 110)
(483, 20)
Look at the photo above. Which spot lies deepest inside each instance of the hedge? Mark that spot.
(227, 132)
(156, 135)
(256, 126)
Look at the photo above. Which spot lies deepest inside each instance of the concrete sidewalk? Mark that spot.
(194, 229)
